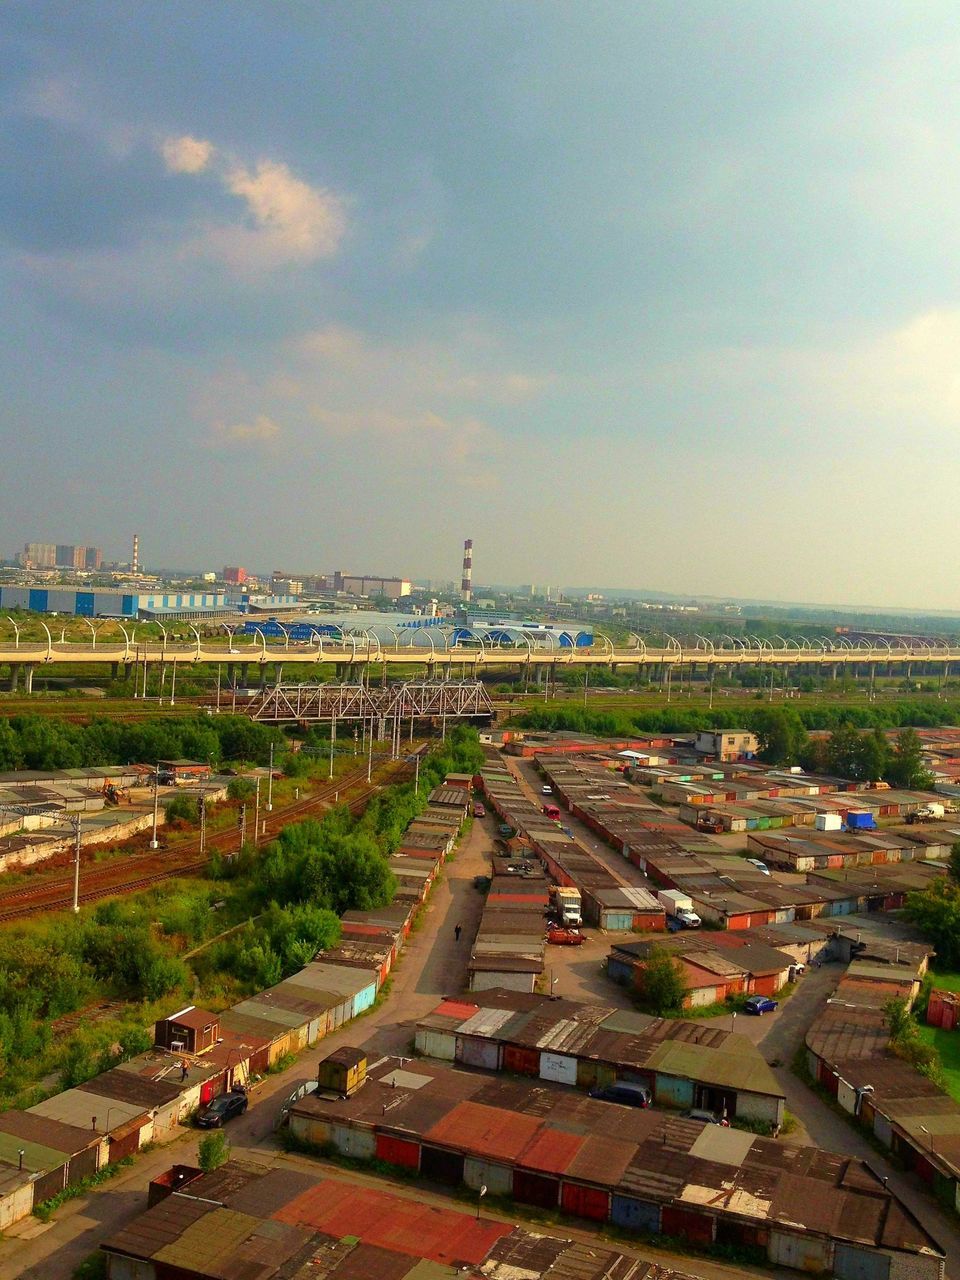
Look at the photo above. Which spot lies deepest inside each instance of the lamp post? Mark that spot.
(77, 822)
(156, 804)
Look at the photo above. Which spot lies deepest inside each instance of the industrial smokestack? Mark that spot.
(466, 582)
(135, 562)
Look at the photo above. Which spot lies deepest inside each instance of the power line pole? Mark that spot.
(156, 804)
(270, 783)
(76, 863)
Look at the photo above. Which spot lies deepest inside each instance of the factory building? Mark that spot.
(145, 605)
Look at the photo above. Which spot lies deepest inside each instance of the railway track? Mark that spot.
(141, 873)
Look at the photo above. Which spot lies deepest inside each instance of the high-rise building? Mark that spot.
(40, 555)
(234, 575)
(94, 558)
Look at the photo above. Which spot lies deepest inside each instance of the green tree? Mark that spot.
(955, 862)
(906, 767)
(661, 988)
(182, 809)
(936, 913)
(781, 734)
(213, 1151)
(241, 790)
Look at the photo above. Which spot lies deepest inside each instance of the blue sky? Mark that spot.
(646, 295)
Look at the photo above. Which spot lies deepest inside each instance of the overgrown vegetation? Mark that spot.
(44, 742)
(907, 1043)
(661, 988)
(213, 1150)
(277, 909)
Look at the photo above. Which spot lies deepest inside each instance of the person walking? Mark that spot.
(457, 931)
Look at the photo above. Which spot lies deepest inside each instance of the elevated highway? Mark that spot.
(242, 658)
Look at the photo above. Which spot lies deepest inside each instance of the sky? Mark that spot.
(640, 295)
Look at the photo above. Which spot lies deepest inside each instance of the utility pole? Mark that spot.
(242, 824)
(76, 864)
(256, 813)
(173, 682)
(370, 752)
(333, 739)
(270, 783)
(202, 810)
(156, 804)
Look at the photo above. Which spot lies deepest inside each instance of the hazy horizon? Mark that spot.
(624, 293)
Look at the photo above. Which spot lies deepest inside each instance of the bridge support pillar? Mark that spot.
(28, 679)
(114, 670)
(277, 672)
(14, 676)
(340, 669)
(231, 673)
(244, 673)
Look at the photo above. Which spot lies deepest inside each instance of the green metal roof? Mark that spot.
(739, 1067)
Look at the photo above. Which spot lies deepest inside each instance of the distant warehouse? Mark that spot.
(136, 604)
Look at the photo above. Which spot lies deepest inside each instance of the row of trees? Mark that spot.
(676, 719)
(852, 749)
(46, 742)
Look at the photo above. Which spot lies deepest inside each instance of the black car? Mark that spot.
(216, 1113)
(624, 1092)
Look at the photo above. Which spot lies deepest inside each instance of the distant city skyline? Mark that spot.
(628, 293)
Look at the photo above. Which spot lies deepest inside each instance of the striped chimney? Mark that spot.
(466, 582)
(135, 562)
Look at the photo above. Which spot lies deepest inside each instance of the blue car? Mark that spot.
(759, 1005)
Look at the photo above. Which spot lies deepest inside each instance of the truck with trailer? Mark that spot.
(568, 905)
(679, 906)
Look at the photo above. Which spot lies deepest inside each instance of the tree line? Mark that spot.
(47, 742)
(855, 748)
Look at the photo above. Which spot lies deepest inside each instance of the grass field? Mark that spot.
(947, 1045)
(945, 981)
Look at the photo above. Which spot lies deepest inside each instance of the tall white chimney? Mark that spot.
(135, 562)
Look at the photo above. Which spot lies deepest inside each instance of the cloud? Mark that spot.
(260, 431)
(306, 222)
(461, 369)
(186, 154)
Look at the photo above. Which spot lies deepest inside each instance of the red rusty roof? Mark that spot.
(456, 1009)
(551, 1151)
(393, 1222)
(487, 1131)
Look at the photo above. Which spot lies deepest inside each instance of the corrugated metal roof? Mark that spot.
(486, 1131)
(79, 1106)
(551, 1150)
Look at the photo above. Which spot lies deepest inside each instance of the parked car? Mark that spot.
(479, 811)
(216, 1113)
(565, 937)
(546, 791)
(759, 1004)
(706, 1117)
(673, 924)
(624, 1092)
(761, 866)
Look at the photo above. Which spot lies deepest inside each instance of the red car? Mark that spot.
(565, 937)
(479, 811)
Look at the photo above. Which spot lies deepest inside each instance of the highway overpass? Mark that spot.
(245, 660)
